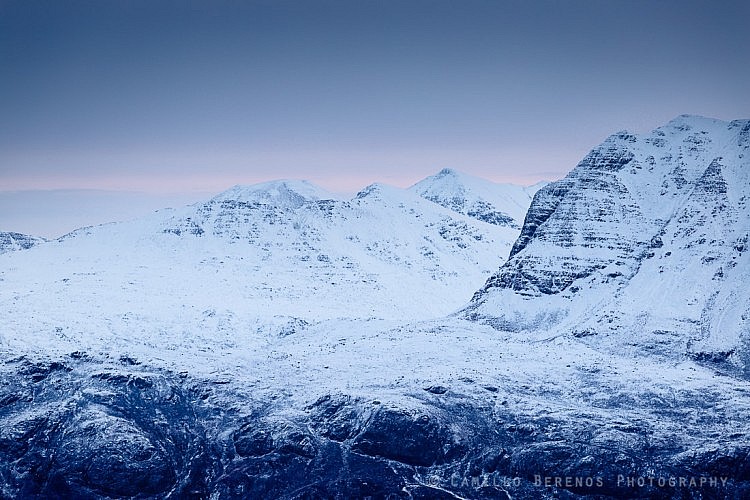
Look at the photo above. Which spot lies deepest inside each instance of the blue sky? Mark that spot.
(173, 98)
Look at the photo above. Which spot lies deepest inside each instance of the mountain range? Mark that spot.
(269, 256)
(586, 338)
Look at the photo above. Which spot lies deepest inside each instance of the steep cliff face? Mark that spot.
(643, 240)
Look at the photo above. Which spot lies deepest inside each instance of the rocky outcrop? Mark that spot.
(16, 241)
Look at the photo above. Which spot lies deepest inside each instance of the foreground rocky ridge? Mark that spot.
(91, 429)
(85, 428)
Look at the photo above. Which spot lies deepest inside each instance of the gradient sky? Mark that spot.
(179, 97)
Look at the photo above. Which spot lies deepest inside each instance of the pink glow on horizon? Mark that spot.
(343, 184)
(344, 172)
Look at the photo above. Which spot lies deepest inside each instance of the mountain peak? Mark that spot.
(283, 193)
(448, 172)
(498, 204)
(687, 122)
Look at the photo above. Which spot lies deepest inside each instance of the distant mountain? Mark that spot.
(281, 194)
(269, 257)
(499, 204)
(10, 242)
(644, 243)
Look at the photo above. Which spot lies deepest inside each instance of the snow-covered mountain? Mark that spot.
(643, 243)
(276, 342)
(271, 257)
(499, 204)
(10, 241)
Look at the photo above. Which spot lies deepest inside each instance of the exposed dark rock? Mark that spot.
(543, 205)
(10, 241)
(712, 357)
(436, 389)
(108, 436)
(712, 181)
(403, 436)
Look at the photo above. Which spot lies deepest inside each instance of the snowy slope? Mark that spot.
(643, 243)
(10, 242)
(500, 204)
(270, 258)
